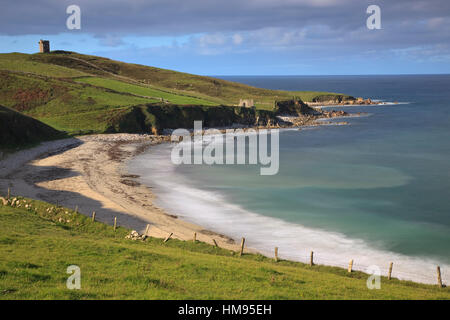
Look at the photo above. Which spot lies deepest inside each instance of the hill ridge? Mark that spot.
(84, 94)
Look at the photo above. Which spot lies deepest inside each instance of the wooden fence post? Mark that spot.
(242, 247)
(390, 270)
(9, 193)
(215, 243)
(146, 230)
(276, 254)
(93, 216)
(76, 209)
(115, 223)
(311, 259)
(195, 237)
(168, 237)
(439, 277)
(350, 266)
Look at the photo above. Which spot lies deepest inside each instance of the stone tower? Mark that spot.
(44, 46)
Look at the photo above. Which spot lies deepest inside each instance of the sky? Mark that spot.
(241, 37)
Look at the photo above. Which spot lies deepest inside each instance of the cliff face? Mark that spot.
(333, 98)
(340, 100)
(293, 108)
(155, 118)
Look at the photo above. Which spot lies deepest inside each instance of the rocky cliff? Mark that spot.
(154, 118)
(295, 107)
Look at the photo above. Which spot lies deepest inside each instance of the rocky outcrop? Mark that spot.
(157, 119)
(15, 202)
(162, 119)
(134, 235)
(337, 100)
(4, 201)
(334, 114)
(294, 107)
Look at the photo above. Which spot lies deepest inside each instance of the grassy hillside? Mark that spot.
(23, 63)
(224, 92)
(38, 241)
(64, 104)
(17, 130)
(144, 91)
(82, 94)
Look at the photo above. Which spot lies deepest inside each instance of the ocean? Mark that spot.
(375, 191)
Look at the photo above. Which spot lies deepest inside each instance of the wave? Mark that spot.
(215, 212)
(389, 103)
(379, 103)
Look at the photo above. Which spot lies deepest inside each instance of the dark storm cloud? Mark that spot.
(406, 23)
(175, 17)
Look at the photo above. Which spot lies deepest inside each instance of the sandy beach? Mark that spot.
(89, 172)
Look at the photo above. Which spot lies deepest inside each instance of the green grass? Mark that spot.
(37, 246)
(145, 91)
(65, 105)
(88, 122)
(20, 131)
(21, 63)
(221, 91)
(81, 94)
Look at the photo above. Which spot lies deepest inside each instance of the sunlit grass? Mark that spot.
(37, 246)
(145, 91)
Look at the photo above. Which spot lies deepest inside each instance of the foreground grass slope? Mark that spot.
(38, 243)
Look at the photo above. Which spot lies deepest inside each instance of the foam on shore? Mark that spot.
(215, 212)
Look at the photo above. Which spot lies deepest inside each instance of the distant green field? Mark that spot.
(144, 91)
(37, 246)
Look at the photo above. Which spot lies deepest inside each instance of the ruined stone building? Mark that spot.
(44, 46)
(246, 103)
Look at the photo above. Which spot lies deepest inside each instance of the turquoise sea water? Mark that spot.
(377, 190)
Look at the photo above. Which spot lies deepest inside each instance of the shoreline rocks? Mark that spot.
(335, 114)
(344, 102)
(134, 235)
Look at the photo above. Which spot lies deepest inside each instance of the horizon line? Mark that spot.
(245, 75)
(326, 75)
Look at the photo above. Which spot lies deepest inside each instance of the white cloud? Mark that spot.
(237, 39)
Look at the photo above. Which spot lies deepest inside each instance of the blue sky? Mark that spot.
(245, 37)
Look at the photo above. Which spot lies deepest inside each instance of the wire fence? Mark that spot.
(399, 271)
(431, 275)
